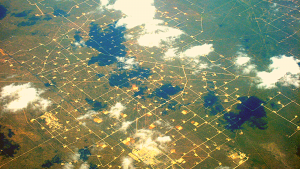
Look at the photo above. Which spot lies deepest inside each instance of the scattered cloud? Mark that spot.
(283, 69)
(116, 110)
(154, 35)
(164, 124)
(242, 59)
(163, 139)
(68, 166)
(243, 63)
(127, 163)
(154, 31)
(200, 50)
(88, 115)
(127, 63)
(22, 96)
(193, 52)
(75, 157)
(80, 43)
(149, 145)
(134, 16)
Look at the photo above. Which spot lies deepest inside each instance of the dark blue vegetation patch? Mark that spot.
(93, 166)
(31, 21)
(84, 153)
(59, 12)
(3, 11)
(47, 17)
(164, 113)
(8, 147)
(77, 37)
(251, 111)
(48, 163)
(212, 103)
(140, 93)
(34, 18)
(210, 85)
(100, 75)
(139, 73)
(47, 84)
(95, 104)
(108, 42)
(166, 90)
(172, 105)
(50, 84)
(298, 151)
(26, 23)
(21, 14)
(10, 133)
(210, 99)
(122, 79)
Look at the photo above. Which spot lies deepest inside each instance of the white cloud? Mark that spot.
(142, 12)
(104, 2)
(116, 110)
(163, 139)
(84, 165)
(125, 125)
(200, 50)
(127, 63)
(193, 52)
(127, 163)
(137, 12)
(155, 34)
(21, 96)
(170, 54)
(242, 59)
(283, 69)
(89, 115)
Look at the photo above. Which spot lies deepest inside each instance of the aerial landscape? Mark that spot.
(149, 84)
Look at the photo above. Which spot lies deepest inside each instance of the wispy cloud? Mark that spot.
(125, 125)
(149, 145)
(21, 96)
(127, 163)
(88, 115)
